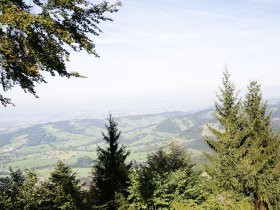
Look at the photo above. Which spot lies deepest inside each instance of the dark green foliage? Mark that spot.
(83, 162)
(61, 191)
(33, 37)
(10, 190)
(169, 125)
(37, 135)
(242, 170)
(192, 132)
(18, 190)
(110, 172)
(5, 138)
(246, 149)
(221, 166)
(227, 113)
(168, 177)
(63, 177)
(258, 151)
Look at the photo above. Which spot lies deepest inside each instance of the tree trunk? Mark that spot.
(262, 205)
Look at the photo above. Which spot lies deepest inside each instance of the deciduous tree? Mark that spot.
(34, 34)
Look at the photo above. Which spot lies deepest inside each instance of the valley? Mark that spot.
(39, 147)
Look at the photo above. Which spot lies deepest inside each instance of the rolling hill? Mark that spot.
(39, 146)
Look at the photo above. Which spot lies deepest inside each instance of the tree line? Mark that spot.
(241, 171)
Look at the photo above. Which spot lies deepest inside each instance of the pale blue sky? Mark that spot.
(169, 52)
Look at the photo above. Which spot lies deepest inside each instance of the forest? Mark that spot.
(240, 172)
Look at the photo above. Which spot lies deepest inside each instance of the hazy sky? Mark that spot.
(169, 52)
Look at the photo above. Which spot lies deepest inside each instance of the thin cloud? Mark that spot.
(200, 13)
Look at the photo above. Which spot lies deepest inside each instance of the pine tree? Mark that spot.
(227, 114)
(258, 152)
(61, 191)
(64, 178)
(168, 178)
(110, 172)
(246, 150)
(18, 190)
(222, 163)
(10, 190)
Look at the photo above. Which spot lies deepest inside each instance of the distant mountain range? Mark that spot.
(75, 141)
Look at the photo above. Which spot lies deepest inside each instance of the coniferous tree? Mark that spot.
(110, 172)
(19, 190)
(259, 152)
(168, 178)
(61, 191)
(226, 140)
(246, 150)
(10, 190)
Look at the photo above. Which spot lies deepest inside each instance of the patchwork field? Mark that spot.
(39, 147)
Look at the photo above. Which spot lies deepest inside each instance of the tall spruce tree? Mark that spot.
(221, 165)
(110, 172)
(246, 150)
(227, 113)
(259, 152)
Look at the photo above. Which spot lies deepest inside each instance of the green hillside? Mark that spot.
(41, 146)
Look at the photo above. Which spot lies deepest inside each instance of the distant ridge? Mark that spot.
(41, 145)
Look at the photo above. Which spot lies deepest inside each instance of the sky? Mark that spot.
(165, 55)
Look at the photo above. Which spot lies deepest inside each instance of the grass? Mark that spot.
(82, 172)
(137, 156)
(19, 140)
(34, 149)
(31, 163)
(71, 143)
(180, 124)
(139, 133)
(194, 152)
(78, 155)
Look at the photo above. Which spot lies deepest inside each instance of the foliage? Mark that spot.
(226, 140)
(242, 170)
(259, 151)
(22, 190)
(227, 201)
(246, 151)
(83, 162)
(34, 36)
(18, 190)
(110, 172)
(168, 177)
(61, 191)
